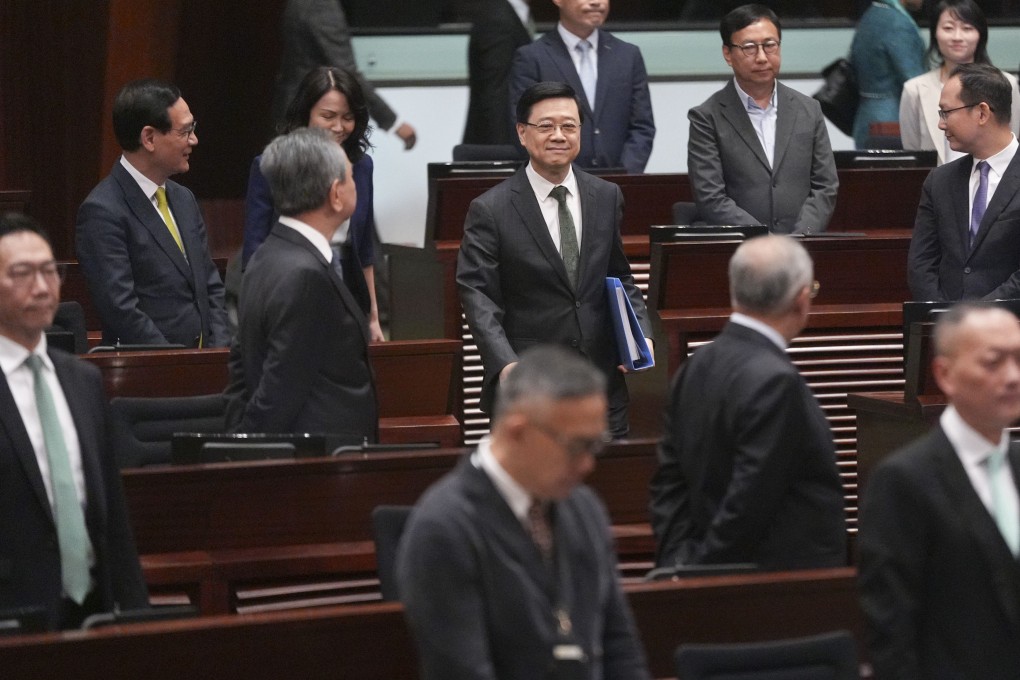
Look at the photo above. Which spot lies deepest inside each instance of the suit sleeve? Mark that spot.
(892, 570)
(910, 119)
(259, 214)
(523, 74)
(103, 251)
(490, 51)
(669, 504)
(440, 584)
(293, 334)
(641, 127)
(619, 267)
(817, 209)
(327, 29)
(704, 162)
(479, 280)
(925, 253)
(219, 329)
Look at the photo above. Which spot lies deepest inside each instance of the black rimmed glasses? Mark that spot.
(547, 128)
(944, 113)
(750, 49)
(576, 446)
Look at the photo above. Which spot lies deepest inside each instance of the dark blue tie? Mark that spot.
(980, 201)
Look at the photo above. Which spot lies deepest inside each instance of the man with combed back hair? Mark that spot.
(507, 569)
(300, 361)
(747, 465)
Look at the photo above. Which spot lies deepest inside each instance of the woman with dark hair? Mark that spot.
(328, 98)
(958, 35)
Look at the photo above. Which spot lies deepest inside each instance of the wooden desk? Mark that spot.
(365, 642)
(220, 533)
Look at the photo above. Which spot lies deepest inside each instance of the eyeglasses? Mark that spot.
(24, 275)
(187, 130)
(815, 288)
(944, 113)
(576, 446)
(750, 49)
(547, 128)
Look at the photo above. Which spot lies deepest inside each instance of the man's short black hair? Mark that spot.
(546, 90)
(140, 103)
(744, 16)
(14, 222)
(985, 83)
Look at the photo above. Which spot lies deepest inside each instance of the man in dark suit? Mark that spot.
(532, 266)
(939, 538)
(65, 541)
(507, 569)
(758, 151)
(747, 465)
(966, 239)
(140, 237)
(316, 33)
(499, 28)
(609, 76)
(300, 360)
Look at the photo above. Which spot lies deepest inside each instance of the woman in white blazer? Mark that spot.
(959, 35)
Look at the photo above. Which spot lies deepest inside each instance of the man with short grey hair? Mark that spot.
(747, 465)
(300, 361)
(507, 568)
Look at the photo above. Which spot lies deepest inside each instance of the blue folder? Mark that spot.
(630, 338)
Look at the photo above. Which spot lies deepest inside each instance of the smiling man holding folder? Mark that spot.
(537, 249)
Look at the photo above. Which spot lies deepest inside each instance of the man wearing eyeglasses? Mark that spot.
(65, 541)
(140, 237)
(966, 239)
(507, 568)
(747, 464)
(537, 249)
(758, 151)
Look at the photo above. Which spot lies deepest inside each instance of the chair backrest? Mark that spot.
(830, 656)
(70, 318)
(685, 212)
(486, 152)
(388, 523)
(141, 428)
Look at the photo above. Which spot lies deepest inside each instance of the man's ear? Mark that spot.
(148, 138)
(336, 195)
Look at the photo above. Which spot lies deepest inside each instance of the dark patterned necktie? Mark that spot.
(980, 201)
(541, 531)
(569, 250)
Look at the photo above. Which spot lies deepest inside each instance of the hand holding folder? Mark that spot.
(633, 349)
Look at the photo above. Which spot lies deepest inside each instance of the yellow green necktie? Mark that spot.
(164, 210)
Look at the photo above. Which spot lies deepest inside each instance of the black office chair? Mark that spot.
(487, 152)
(388, 523)
(830, 656)
(68, 331)
(141, 428)
(685, 212)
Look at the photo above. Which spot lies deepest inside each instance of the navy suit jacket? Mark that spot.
(515, 291)
(941, 263)
(144, 289)
(747, 464)
(939, 587)
(619, 131)
(300, 360)
(480, 600)
(29, 555)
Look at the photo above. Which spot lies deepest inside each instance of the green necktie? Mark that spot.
(72, 536)
(568, 235)
(164, 210)
(1006, 516)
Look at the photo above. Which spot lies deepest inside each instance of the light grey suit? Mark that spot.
(730, 174)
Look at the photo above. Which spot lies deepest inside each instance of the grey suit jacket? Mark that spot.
(145, 290)
(747, 464)
(941, 264)
(939, 588)
(316, 33)
(514, 287)
(300, 360)
(619, 130)
(29, 556)
(480, 600)
(732, 180)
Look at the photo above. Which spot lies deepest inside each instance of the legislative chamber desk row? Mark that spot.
(368, 642)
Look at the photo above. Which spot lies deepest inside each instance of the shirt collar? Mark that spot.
(513, 493)
(760, 326)
(571, 40)
(542, 187)
(147, 186)
(970, 445)
(317, 239)
(1000, 161)
(13, 354)
(749, 102)
(522, 9)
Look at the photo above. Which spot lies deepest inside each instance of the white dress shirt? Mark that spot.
(513, 493)
(317, 239)
(997, 165)
(148, 188)
(571, 41)
(550, 206)
(762, 120)
(763, 328)
(973, 450)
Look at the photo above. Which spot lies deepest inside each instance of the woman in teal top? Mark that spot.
(887, 51)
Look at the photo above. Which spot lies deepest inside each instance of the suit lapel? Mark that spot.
(1003, 196)
(960, 198)
(560, 57)
(148, 217)
(961, 495)
(21, 445)
(735, 113)
(526, 205)
(786, 123)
